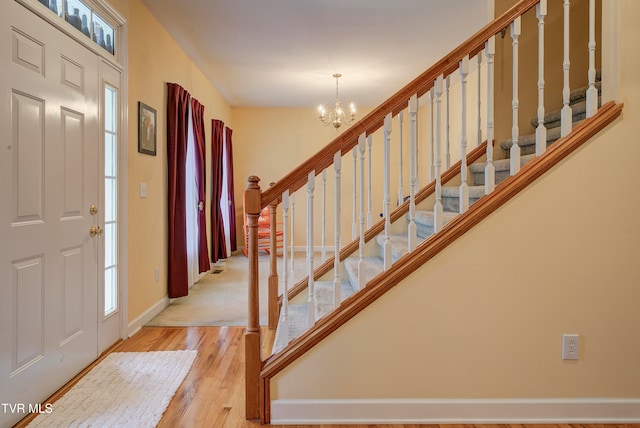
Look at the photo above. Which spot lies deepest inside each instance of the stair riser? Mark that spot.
(557, 123)
(424, 231)
(395, 255)
(478, 177)
(525, 150)
(451, 204)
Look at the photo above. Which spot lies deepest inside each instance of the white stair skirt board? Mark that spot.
(441, 411)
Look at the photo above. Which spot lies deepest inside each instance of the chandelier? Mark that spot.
(336, 117)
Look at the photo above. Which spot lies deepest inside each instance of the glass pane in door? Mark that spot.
(110, 202)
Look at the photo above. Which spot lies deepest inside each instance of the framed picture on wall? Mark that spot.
(147, 120)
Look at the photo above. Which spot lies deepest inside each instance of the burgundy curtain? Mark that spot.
(177, 132)
(197, 115)
(218, 246)
(232, 200)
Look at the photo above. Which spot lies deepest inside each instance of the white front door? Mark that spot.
(49, 170)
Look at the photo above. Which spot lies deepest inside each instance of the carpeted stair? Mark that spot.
(298, 315)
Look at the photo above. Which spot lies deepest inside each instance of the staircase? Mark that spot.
(374, 265)
(429, 219)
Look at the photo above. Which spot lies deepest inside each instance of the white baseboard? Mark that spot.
(303, 249)
(135, 325)
(472, 411)
(316, 249)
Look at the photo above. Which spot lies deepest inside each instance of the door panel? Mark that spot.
(73, 140)
(27, 122)
(27, 324)
(49, 168)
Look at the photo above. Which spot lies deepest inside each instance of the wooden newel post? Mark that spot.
(273, 273)
(252, 338)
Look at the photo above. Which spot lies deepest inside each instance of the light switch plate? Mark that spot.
(143, 190)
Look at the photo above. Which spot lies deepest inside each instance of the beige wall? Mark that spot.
(155, 59)
(473, 324)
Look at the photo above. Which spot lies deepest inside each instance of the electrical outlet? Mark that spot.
(157, 274)
(570, 346)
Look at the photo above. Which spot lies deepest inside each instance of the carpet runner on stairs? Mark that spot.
(373, 266)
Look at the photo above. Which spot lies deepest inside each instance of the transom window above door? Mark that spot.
(84, 19)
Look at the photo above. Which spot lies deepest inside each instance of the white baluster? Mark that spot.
(292, 201)
(400, 189)
(447, 161)
(592, 92)
(479, 134)
(284, 324)
(437, 208)
(515, 129)
(337, 282)
(432, 168)
(354, 225)
(386, 197)
(464, 187)
(566, 113)
(311, 302)
(541, 129)
(490, 170)
(324, 218)
(362, 143)
(412, 234)
(369, 215)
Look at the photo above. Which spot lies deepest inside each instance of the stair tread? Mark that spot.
(298, 322)
(530, 139)
(552, 119)
(581, 93)
(500, 164)
(399, 244)
(577, 101)
(426, 216)
(475, 192)
(324, 295)
(373, 266)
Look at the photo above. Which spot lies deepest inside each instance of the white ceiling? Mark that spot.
(283, 53)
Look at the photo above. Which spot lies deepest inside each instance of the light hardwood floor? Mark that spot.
(212, 394)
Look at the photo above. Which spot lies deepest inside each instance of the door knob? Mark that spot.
(95, 230)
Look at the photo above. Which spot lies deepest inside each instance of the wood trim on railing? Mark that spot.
(398, 102)
(437, 242)
(396, 214)
(272, 291)
(252, 338)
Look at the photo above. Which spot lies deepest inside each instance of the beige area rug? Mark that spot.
(126, 389)
(221, 299)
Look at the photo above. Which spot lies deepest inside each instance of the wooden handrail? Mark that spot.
(437, 242)
(398, 102)
(396, 214)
